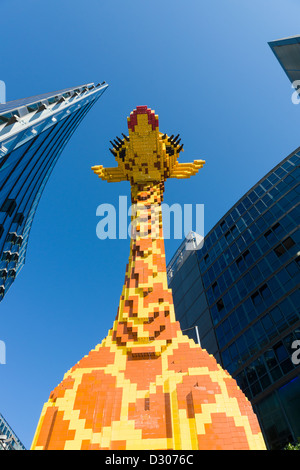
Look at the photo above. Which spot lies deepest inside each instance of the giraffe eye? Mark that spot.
(169, 150)
(122, 154)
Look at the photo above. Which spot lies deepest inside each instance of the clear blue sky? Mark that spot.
(208, 72)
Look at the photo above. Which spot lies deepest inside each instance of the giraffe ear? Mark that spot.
(185, 170)
(111, 175)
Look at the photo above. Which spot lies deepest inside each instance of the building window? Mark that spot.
(14, 257)
(34, 107)
(240, 263)
(228, 236)
(19, 240)
(265, 291)
(279, 250)
(19, 217)
(288, 243)
(256, 299)
(3, 273)
(269, 235)
(11, 237)
(8, 206)
(275, 230)
(6, 255)
(293, 268)
(215, 288)
(246, 257)
(12, 273)
(220, 305)
(234, 230)
(285, 246)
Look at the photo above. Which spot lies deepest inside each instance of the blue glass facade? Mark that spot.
(287, 52)
(33, 133)
(8, 439)
(249, 270)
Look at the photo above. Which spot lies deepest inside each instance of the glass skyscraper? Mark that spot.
(33, 133)
(242, 291)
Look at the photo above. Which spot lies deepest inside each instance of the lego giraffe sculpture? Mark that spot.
(147, 386)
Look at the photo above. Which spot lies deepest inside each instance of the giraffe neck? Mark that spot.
(146, 317)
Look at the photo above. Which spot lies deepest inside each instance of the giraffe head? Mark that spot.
(146, 155)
